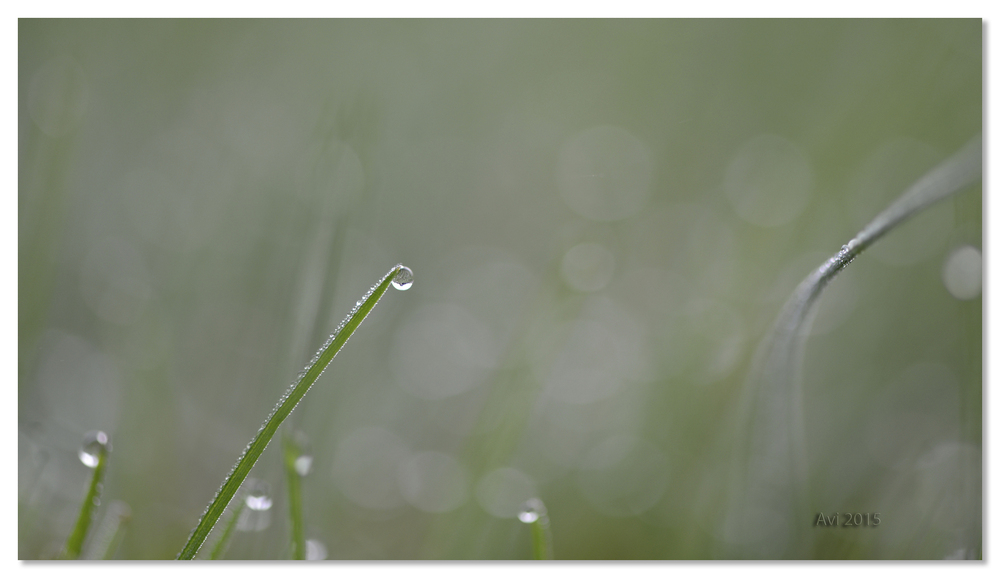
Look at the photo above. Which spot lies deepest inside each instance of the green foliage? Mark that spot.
(200, 202)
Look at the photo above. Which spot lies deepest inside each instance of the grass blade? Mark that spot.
(292, 453)
(94, 454)
(286, 404)
(109, 534)
(534, 514)
(219, 549)
(771, 408)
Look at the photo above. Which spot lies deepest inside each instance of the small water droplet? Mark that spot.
(257, 497)
(94, 442)
(315, 550)
(303, 464)
(403, 279)
(963, 273)
(531, 510)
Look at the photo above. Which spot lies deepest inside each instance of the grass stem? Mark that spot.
(222, 544)
(534, 514)
(96, 449)
(294, 484)
(109, 534)
(286, 404)
(772, 405)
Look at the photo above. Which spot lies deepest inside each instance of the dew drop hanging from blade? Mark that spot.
(93, 443)
(403, 279)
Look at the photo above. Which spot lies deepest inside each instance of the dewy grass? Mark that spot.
(94, 454)
(772, 397)
(534, 514)
(294, 483)
(401, 278)
(219, 549)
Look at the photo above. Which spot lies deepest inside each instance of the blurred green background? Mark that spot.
(603, 219)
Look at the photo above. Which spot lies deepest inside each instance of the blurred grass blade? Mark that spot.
(292, 453)
(534, 514)
(108, 536)
(94, 454)
(774, 466)
(286, 404)
(541, 539)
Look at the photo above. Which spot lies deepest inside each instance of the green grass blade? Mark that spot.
(111, 546)
(285, 405)
(292, 453)
(219, 549)
(534, 514)
(541, 545)
(75, 542)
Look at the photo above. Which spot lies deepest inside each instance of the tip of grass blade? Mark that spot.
(94, 454)
(534, 513)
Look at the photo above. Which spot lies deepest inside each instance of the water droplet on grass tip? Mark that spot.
(531, 511)
(94, 442)
(257, 497)
(403, 279)
(303, 464)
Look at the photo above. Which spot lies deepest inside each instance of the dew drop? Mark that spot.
(258, 498)
(300, 445)
(963, 273)
(531, 511)
(303, 464)
(315, 550)
(94, 442)
(403, 279)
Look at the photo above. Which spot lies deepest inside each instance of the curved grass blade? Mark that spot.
(286, 404)
(99, 446)
(294, 481)
(773, 461)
